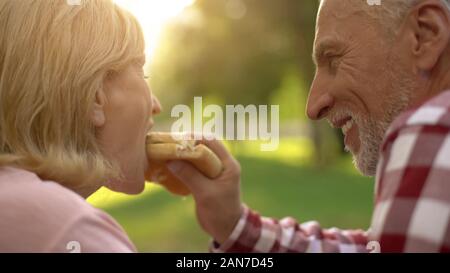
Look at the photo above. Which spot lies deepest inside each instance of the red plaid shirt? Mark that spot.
(412, 198)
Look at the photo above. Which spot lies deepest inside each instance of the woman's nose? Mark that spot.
(156, 106)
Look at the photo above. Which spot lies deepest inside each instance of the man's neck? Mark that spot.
(436, 82)
(439, 76)
(440, 84)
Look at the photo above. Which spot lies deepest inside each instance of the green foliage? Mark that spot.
(209, 51)
(291, 97)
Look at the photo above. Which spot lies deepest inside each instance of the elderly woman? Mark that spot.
(74, 113)
(75, 110)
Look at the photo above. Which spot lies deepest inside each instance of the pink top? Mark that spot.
(43, 216)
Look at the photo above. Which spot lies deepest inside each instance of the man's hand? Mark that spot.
(218, 201)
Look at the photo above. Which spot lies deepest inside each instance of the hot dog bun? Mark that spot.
(162, 147)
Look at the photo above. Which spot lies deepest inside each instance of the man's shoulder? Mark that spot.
(412, 180)
(434, 112)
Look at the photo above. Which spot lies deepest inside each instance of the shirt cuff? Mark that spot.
(229, 244)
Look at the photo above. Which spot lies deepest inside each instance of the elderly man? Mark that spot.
(383, 75)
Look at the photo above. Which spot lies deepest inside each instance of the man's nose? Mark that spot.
(319, 104)
(156, 106)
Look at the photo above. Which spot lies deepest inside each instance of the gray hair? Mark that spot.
(390, 13)
(394, 11)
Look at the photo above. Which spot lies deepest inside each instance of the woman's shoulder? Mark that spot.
(25, 192)
(39, 215)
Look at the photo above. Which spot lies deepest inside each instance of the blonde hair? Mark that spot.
(54, 57)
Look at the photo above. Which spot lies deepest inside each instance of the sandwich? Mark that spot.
(164, 147)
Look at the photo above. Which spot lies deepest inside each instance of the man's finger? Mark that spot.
(188, 174)
(217, 147)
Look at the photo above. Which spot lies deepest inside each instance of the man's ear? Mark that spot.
(98, 117)
(430, 22)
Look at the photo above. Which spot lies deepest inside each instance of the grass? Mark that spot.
(276, 186)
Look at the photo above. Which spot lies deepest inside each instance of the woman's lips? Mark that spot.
(150, 126)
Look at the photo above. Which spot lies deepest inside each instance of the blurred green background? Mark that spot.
(246, 52)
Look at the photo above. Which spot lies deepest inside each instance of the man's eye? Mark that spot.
(333, 61)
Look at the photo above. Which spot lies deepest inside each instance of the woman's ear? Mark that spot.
(98, 117)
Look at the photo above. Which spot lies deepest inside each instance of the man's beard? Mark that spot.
(372, 131)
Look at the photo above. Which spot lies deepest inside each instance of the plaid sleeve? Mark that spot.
(412, 202)
(254, 233)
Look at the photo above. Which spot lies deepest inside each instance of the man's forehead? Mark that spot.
(339, 23)
(336, 10)
(334, 13)
(335, 17)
